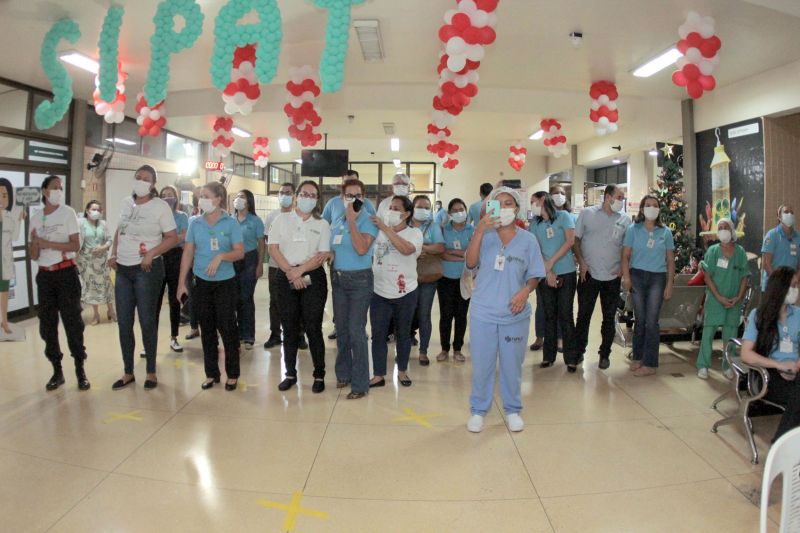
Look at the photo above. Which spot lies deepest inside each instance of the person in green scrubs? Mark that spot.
(726, 274)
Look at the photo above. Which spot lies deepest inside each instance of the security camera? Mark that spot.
(576, 38)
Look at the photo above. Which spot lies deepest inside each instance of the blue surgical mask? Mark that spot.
(422, 214)
(459, 217)
(285, 200)
(306, 205)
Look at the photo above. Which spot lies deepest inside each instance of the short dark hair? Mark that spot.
(408, 205)
(455, 201)
(288, 184)
(88, 205)
(251, 201)
(315, 213)
(351, 174)
(547, 205)
(610, 190)
(486, 188)
(698, 254)
(419, 197)
(152, 172)
(9, 190)
(351, 182)
(48, 180)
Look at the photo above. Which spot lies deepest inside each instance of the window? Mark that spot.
(155, 147)
(12, 147)
(175, 149)
(13, 107)
(94, 128)
(125, 136)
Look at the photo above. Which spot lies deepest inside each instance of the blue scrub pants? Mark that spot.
(487, 341)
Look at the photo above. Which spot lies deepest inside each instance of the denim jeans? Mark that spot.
(60, 293)
(538, 317)
(648, 295)
(451, 307)
(352, 293)
(301, 308)
(382, 312)
(136, 292)
(587, 300)
(558, 304)
(422, 318)
(172, 270)
(246, 310)
(216, 303)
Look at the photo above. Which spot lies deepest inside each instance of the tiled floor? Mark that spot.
(602, 451)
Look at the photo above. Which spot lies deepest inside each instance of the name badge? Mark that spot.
(214, 244)
(500, 262)
(550, 233)
(456, 245)
(793, 249)
(651, 243)
(337, 239)
(722, 262)
(787, 346)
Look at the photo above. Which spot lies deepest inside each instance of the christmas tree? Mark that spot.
(673, 210)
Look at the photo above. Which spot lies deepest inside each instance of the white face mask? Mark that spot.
(141, 188)
(391, 218)
(459, 217)
(791, 296)
(651, 213)
(507, 216)
(400, 190)
(94, 214)
(724, 236)
(559, 199)
(206, 205)
(306, 205)
(422, 214)
(788, 219)
(55, 196)
(617, 205)
(285, 200)
(349, 200)
(536, 210)
(239, 204)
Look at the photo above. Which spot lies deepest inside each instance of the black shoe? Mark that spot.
(143, 354)
(193, 334)
(425, 361)
(83, 383)
(272, 342)
(414, 341)
(545, 364)
(572, 369)
(536, 346)
(287, 384)
(381, 383)
(356, 395)
(318, 386)
(121, 383)
(303, 344)
(604, 363)
(332, 336)
(149, 384)
(405, 382)
(232, 386)
(56, 380)
(208, 384)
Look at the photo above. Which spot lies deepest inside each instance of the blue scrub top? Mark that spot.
(785, 251)
(551, 241)
(346, 258)
(491, 299)
(252, 230)
(644, 257)
(181, 224)
(431, 232)
(441, 217)
(334, 209)
(788, 330)
(453, 269)
(227, 232)
(474, 213)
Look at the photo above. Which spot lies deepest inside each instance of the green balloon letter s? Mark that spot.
(49, 113)
(331, 66)
(109, 52)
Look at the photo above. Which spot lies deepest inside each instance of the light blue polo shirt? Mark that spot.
(552, 235)
(252, 230)
(456, 240)
(227, 232)
(431, 232)
(491, 299)
(346, 258)
(474, 213)
(441, 217)
(788, 330)
(644, 257)
(181, 224)
(334, 209)
(785, 251)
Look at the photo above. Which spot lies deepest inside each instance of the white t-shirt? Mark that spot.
(384, 206)
(55, 227)
(395, 274)
(269, 219)
(299, 240)
(141, 224)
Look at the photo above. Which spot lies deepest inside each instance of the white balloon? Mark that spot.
(603, 99)
(612, 106)
(295, 101)
(682, 62)
(603, 121)
(140, 120)
(475, 52)
(706, 67)
(456, 62)
(461, 81)
(456, 46)
(239, 98)
(245, 67)
(706, 30)
(693, 55)
(155, 114)
(683, 31)
(595, 105)
(246, 108)
(307, 96)
(600, 131)
(101, 107)
(554, 129)
(479, 18)
(230, 108)
(612, 127)
(467, 6)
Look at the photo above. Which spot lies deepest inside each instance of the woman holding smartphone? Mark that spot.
(648, 269)
(299, 244)
(510, 267)
(172, 268)
(250, 269)
(213, 244)
(555, 232)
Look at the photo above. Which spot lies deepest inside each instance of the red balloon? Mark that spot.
(471, 90)
(683, 45)
(594, 116)
(694, 39)
(472, 35)
(707, 82)
(715, 42)
(142, 131)
(691, 71)
(461, 21)
(447, 32)
(679, 79)
(488, 35)
(694, 89)
(154, 131)
(707, 49)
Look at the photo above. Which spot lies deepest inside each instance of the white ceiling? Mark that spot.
(530, 72)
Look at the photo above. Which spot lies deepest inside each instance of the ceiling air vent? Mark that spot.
(369, 37)
(388, 128)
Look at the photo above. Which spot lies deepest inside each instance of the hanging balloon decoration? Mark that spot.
(555, 142)
(49, 113)
(517, 155)
(604, 112)
(107, 80)
(243, 91)
(112, 112)
(261, 151)
(331, 65)
(150, 119)
(303, 90)
(223, 138)
(700, 48)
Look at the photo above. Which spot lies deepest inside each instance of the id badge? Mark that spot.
(500, 262)
(456, 245)
(793, 249)
(787, 346)
(722, 262)
(651, 243)
(337, 239)
(214, 244)
(550, 233)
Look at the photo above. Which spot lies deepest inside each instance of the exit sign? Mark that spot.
(215, 165)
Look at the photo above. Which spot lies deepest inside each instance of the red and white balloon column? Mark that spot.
(112, 112)
(554, 140)
(604, 112)
(223, 138)
(700, 48)
(261, 152)
(303, 90)
(150, 119)
(517, 155)
(243, 90)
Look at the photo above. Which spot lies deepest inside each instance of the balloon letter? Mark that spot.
(49, 113)
(331, 67)
(109, 53)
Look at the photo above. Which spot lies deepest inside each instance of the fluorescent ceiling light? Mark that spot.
(283, 144)
(537, 135)
(653, 152)
(658, 63)
(396, 163)
(118, 140)
(369, 37)
(254, 173)
(395, 144)
(616, 161)
(80, 60)
(300, 161)
(240, 132)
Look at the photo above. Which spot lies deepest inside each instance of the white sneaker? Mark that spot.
(175, 346)
(702, 373)
(728, 373)
(514, 422)
(475, 424)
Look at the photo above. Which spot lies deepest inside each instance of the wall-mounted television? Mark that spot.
(319, 163)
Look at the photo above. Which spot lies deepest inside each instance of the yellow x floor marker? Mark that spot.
(421, 419)
(180, 363)
(131, 415)
(244, 385)
(292, 510)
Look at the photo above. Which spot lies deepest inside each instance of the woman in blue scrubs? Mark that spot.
(510, 265)
(250, 269)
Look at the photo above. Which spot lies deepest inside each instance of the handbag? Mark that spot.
(429, 267)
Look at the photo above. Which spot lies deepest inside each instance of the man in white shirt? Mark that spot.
(401, 186)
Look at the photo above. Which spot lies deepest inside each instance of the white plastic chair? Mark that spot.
(783, 458)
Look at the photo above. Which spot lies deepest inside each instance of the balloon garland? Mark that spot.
(48, 113)
(700, 48)
(555, 142)
(223, 138)
(517, 155)
(113, 112)
(109, 54)
(267, 34)
(604, 112)
(331, 66)
(243, 91)
(261, 151)
(150, 119)
(303, 90)
(165, 42)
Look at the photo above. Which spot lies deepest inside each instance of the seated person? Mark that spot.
(771, 341)
(694, 262)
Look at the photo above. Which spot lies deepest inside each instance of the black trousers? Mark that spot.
(301, 309)
(216, 310)
(60, 293)
(558, 305)
(451, 307)
(274, 315)
(172, 271)
(786, 393)
(588, 291)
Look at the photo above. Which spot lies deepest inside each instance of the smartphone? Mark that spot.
(493, 208)
(357, 204)
(512, 184)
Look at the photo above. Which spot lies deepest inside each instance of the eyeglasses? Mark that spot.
(354, 196)
(307, 195)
